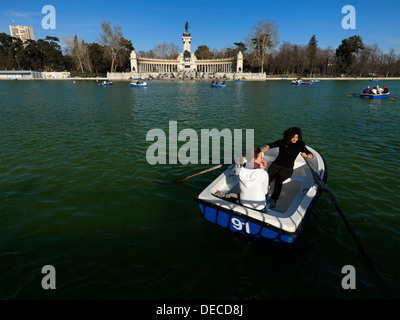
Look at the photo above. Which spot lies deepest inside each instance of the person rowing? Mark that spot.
(282, 167)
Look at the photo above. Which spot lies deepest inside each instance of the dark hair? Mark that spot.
(291, 132)
(252, 154)
(256, 152)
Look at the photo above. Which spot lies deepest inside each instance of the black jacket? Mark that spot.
(288, 152)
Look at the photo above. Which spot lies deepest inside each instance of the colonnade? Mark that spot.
(157, 67)
(226, 65)
(215, 67)
(152, 65)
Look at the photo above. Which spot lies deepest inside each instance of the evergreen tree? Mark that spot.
(312, 48)
(347, 51)
(203, 53)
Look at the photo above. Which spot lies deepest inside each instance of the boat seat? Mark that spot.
(235, 198)
(231, 196)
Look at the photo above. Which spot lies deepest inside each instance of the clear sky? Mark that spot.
(217, 24)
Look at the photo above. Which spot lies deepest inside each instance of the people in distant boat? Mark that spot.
(367, 90)
(379, 90)
(282, 167)
(385, 90)
(254, 181)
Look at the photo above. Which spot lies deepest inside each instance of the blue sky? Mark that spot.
(217, 24)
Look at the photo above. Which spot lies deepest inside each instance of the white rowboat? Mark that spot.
(281, 224)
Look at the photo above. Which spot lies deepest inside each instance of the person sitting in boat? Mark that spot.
(367, 90)
(379, 90)
(374, 91)
(282, 167)
(253, 181)
(385, 90)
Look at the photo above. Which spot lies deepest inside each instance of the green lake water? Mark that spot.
(77, 193)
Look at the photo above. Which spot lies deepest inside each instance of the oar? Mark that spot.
(353, 94)
(193, 175)
(361, 248)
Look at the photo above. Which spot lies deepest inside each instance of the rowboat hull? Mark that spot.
(282, 224)
(373, 96)
(138, 85)
(218, 85)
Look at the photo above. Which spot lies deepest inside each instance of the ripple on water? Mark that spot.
(78, 192)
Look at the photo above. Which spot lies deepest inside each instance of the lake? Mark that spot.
(78, 193)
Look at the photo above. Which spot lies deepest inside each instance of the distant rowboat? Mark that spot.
(373, 96)
(218, 85)
(139, 84)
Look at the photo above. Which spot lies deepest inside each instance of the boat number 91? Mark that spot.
(238, 225)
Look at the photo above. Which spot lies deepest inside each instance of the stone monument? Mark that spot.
(187, 39)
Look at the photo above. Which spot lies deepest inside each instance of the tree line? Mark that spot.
(111, 52)
(352, 58)
(260, 49)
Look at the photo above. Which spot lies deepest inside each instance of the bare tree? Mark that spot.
(263, 37)
(78, 50)
(389, 60)
(147, 54)
(84, 51)
(166, 51)
(122, 61)
(111, 39)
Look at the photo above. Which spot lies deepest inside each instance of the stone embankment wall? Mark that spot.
(184, 76)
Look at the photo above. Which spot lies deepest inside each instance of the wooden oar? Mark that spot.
(193, 175)
(353, 94)
(361, 248)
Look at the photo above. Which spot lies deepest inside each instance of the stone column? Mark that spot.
(239, 62)
(133, 58)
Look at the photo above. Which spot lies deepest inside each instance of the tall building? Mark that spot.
(22, 32)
